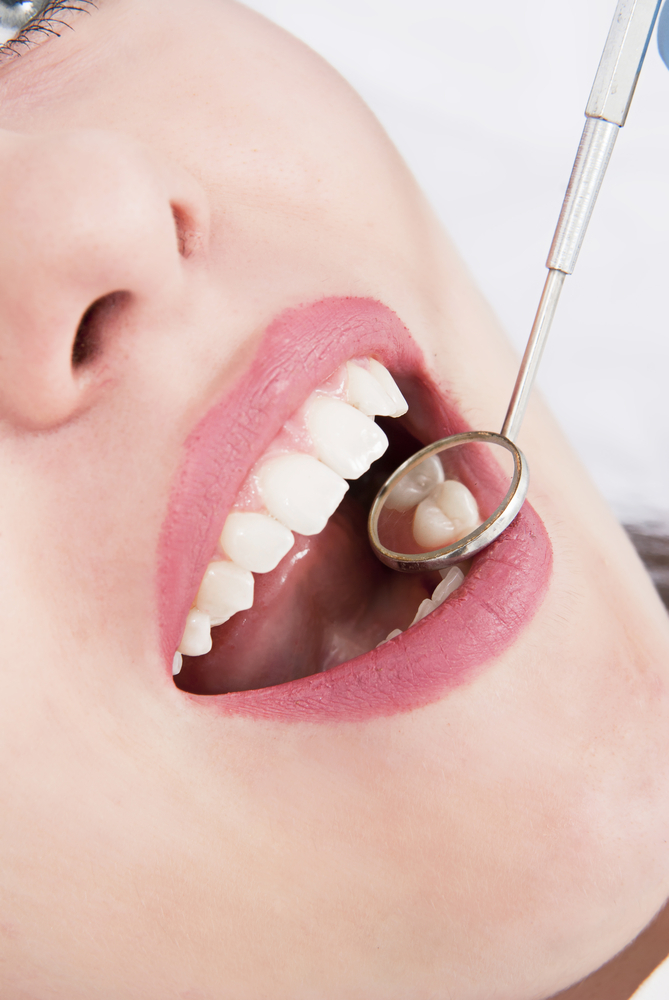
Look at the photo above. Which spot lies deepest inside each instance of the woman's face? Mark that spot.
(477, 809)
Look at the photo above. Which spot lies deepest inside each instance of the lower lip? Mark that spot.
(451, 647)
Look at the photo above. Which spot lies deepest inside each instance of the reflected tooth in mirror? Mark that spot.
(424, 609)
(344, 438)
(416, 485)
(256, 542)
(388, 383)
(446, 515)
(432, 529)
(225, 590)
(300, 492)
(366, 393)
(449, 583)
(196, 639)
(458, 503)
(177, 663)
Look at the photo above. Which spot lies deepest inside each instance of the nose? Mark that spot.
(92, 225)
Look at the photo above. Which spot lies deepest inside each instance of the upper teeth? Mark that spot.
(255, 541)
(373, 390)
(300, 491)
(196, 639)
(345, 439)
(225, 589)
(294, 491)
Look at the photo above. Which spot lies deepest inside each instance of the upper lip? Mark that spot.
(299, 350)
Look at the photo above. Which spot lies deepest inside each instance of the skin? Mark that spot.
(499, 844)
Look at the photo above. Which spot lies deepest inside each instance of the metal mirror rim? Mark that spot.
(476, 540)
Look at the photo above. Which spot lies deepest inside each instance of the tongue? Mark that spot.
(328, 601)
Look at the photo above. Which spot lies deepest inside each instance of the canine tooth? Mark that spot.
(449, 583)
(177, 663)
(345, 439)
(416, 485)
(366, 393)
(300, 492)
(255, 542)
(391, 635)
(196, 639)
(447, 514)
(424, 609)
(390, 385)
(225, 590)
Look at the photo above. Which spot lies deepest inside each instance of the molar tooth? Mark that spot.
(447, 514)
(177, 663)
(366, 393)
(389, 384)
(345, 439)
(416, 485)
(196, 639)
(255, 542)
(300, 492)
(225, 590)
(449, 583)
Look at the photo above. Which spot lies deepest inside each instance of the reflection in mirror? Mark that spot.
(450, 491)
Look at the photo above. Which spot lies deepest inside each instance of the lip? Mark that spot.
(500, 595)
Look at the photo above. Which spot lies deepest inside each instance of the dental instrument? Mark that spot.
(448, 459)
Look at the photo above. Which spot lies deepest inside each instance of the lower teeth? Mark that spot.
(452, 578)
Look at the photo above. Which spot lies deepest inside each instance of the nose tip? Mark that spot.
(93, 226)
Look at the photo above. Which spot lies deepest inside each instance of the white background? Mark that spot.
(485, 101)
(656, 987)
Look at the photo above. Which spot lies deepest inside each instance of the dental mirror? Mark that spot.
(438, 508)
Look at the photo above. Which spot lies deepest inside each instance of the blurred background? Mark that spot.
(485, 102)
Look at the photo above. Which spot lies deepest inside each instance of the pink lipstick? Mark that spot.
(501, 593)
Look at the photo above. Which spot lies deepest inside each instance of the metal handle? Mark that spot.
(607, 109)
(533, 351)
(594, 152)
(622, 59)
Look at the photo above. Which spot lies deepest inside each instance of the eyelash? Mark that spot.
(42, 24)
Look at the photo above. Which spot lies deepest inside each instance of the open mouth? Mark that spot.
(288, 609)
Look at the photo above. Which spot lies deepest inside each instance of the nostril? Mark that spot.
(187, 233)
(90, 332)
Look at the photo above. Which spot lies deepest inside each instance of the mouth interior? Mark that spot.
(328, 601)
